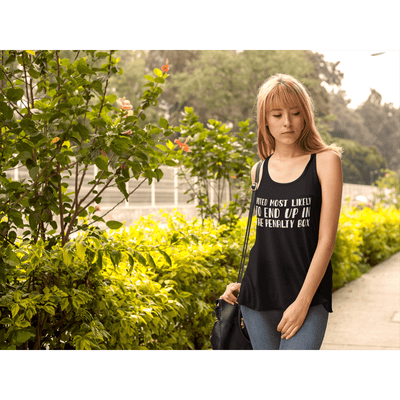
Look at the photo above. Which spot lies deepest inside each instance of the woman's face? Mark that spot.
(285, 124)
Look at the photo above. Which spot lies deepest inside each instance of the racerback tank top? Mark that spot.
(288, 217)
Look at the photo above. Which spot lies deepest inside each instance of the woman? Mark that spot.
(286, 292)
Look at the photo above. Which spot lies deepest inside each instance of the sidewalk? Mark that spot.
(366, 311)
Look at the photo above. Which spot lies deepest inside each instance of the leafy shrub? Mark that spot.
(347, 256)
(219, 159)
(57, 119)
(91, 294)
(365, 237)
(380, 231)
(152, 285)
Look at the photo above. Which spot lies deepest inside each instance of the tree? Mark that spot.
(218, 160)
(57, 119)
(361, 164)
(223, 85)
(130, 84)
(384, 124)
(348, 123)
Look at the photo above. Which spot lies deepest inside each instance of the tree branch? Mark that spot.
(26, 86)
(61, 208)
(137, 187)
(2, 63)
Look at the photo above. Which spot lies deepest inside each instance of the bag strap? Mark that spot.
(254, 187)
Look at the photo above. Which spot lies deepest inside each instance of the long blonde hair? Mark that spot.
(281, 89)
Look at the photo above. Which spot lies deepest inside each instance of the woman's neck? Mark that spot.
(287, 153)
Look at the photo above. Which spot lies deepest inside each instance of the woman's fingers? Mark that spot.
(290, 333)
(229, 299)
(229, 295)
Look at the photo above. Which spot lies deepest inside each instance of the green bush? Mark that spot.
(92, 294)
(152, 285)
(347, 258)
(365, 237)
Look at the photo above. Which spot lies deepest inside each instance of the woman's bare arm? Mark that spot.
(329, 170)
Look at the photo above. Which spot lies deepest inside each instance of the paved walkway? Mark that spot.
(366, 311)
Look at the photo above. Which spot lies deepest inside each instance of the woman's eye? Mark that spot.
(297, 113)
(277, 116)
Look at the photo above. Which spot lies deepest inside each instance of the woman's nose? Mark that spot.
(287, 120)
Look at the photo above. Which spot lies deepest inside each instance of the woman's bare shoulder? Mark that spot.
(328, 164)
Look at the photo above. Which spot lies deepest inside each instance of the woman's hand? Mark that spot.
(228, 296)
(292, 319)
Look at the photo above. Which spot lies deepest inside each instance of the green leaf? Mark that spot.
(33, 73)
(6, 110)
(12, 235)
(14, 94)
(101, 163)
(82, 130)
(80, 250)
(97, 86)
(162, 147)
(49, 309)
(159, 174)
(67, 257)
(163, 123)
(56, 116)
(122, 187)
(114, 224)
(82, 67)
(99, 261)
(115, 257)
(23, 336)
(16, 217)
(102, 54)
(166, 257)
(105, 117)
(149, 78)
(12, 258)
(14, 310)
(170, 145)
(65, 62)
(120, 145)
(75, 101)
(112, 98)
(27, 125)
(139, 257)
(33, 173)
(151, 262)
(158, 72)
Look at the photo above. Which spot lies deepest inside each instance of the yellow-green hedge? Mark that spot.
(365, 237)
(151, 286)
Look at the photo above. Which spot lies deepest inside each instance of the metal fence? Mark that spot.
(166, 194)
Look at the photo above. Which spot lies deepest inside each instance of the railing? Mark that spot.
(166, 194)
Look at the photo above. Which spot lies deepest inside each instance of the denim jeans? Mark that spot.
(262, 329)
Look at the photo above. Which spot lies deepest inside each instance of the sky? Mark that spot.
(363, 71)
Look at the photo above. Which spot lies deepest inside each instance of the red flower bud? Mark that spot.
(183, 146)
(165, 67)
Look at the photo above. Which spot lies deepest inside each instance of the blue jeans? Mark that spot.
(262, 329)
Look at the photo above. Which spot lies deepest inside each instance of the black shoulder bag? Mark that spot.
(229, 332)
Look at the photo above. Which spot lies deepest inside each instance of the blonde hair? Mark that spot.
(287, 91)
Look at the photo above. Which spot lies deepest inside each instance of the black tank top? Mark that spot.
(288, 217)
